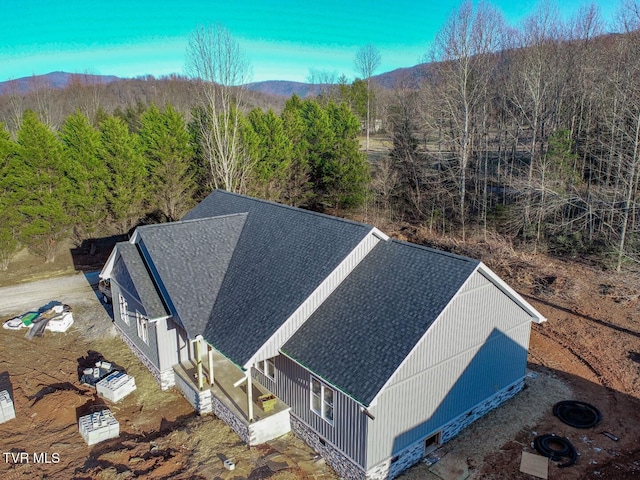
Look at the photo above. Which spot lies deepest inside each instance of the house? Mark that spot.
(373, 350)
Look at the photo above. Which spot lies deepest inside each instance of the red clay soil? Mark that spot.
(591, 342)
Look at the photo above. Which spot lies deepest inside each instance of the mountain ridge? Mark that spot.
(407, 76)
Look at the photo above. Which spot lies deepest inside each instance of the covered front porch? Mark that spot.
(217, 386)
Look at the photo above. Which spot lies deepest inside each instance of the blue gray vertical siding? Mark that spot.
(477, 347)
(121, 284)
(292, 385)
(167, 338)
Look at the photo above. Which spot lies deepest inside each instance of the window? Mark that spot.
(268, 367)
(322, 400)
(124, 314)
(143, 327)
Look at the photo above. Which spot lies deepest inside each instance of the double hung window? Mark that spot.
(322, 400)
(122, 304)
(142, 323)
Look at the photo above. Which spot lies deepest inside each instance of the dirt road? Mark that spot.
(30, 296)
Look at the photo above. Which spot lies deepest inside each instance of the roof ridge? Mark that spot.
(192, 220)
(435, 250)
(297, 209)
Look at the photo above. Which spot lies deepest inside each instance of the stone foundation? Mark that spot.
(415, 452)
(201, 401)
(343, 465)
(221, 411)
(454, 427)
(167, 379)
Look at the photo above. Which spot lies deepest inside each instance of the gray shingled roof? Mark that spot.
(190, 259)
(148, 295)
(359, 336)
(282, 255)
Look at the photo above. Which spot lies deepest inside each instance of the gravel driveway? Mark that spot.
(70, 289)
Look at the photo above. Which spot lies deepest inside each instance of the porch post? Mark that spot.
(210, 355)
(199, 360)
(249, 395)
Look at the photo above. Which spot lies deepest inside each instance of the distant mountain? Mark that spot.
(408, 77)
(53, 80)
(283, 88)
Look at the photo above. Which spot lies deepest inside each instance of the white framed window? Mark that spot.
(268, 367)
(322, 400)
(124, 313)
(143, 327)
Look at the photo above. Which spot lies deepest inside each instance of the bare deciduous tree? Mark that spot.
(367, 60)
(216, 61)
(464, 48)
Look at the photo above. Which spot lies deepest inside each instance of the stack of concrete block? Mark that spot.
(7, 410)
(98, 426)
(115, 386)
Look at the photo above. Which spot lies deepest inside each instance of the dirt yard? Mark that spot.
(589, 350)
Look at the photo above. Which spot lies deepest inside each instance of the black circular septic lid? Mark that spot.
(577, 414)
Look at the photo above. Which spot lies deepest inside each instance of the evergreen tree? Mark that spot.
(9, 214)
(166, 146)
(127, 180)
(42, 187)
(87, 172)
(273, 153)
(349, 170)
(299, 187)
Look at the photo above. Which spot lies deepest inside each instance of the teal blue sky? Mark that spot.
(282, 39)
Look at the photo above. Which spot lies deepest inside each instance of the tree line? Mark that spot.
(148, 164)
(533, 133)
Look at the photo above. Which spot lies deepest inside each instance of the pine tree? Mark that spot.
(166, 146)
(9, 214)
(273, 153)
(127, 180)
(88, 174)
(42, 187)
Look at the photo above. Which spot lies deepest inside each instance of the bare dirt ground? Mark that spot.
(589, 350)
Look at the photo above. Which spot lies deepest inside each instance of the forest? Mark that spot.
(529, 133)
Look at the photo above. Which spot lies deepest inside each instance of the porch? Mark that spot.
(227, 397)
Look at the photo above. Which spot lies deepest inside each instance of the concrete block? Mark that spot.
(7, 410)
(115, 386)
(98, 426)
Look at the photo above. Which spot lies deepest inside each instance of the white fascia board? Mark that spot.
(108, 266)
(135, 237)
(536, 316)
(272, 346)
(381, 235)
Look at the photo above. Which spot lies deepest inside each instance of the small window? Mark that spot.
(124, 314)
(322, 400)
(143, 327)
(268, 367)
